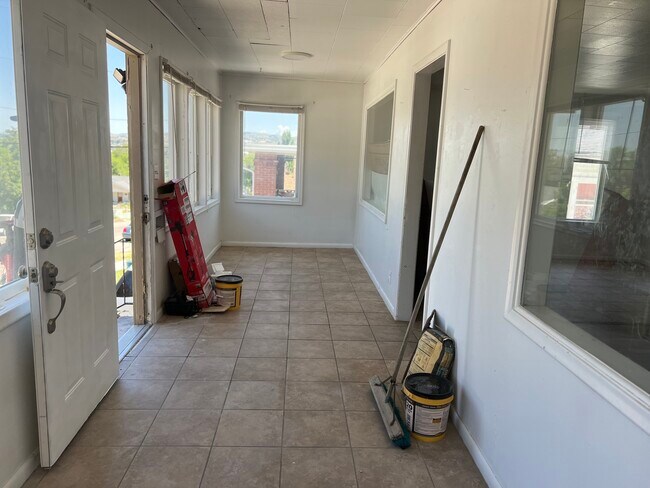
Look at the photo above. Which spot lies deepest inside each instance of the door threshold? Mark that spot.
(131, 338)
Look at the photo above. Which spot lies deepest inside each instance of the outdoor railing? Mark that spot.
(125, 286)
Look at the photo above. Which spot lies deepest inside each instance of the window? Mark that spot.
(190, 119)
(207, 150)
(192, 148)
(271, 154)
(169, 142)
(376, 160)
(214, 146)
(587, 267)
(12, 214)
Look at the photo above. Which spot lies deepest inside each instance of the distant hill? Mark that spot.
(261, 138)
(119, 140)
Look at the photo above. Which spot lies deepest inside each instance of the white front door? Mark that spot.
(64, 47)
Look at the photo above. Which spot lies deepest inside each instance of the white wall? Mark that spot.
(332, 133)
(18, 428)
(529, 420)
(142, 26)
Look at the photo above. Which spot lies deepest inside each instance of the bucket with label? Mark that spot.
(427, 402)
(229, 288)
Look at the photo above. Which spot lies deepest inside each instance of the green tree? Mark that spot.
(10, 178)
(120, 161)
(286, 139)
(249, 160)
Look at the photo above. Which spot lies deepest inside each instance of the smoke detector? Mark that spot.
(296, 55)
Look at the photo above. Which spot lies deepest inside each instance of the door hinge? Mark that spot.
(33, 275)
(31, 241)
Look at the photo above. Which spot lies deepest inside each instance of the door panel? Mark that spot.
(94, 163)
(68, 137)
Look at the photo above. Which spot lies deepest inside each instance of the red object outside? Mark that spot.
(8, 263)
(178, 211)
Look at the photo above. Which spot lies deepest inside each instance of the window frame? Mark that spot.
(300, 153)
(194, 143)
(383, 216)
(623, 394)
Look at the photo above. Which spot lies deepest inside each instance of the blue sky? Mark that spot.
(116, 96)
(7, 82)
(270, 122)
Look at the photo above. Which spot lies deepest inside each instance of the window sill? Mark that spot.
(628, 398)
(14, 309)
(268, 201)
(205, 207)
(373, 210)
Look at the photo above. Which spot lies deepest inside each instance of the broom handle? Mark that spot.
(434, 257)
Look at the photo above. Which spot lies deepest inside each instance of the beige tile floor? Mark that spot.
(273, 395)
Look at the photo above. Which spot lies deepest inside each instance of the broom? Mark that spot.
(385, 395)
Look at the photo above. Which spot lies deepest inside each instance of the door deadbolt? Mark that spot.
(45, 238)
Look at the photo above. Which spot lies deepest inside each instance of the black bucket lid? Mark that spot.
(429, 386)
(230, 279)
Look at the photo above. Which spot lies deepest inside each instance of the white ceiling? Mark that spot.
(348, 38)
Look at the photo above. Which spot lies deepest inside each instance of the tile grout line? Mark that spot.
(139, 448)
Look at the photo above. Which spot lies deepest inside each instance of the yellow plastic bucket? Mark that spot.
(229, 289)
(427, 404)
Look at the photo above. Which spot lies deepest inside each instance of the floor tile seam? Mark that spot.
(347, 426)
(207, 461)
(284, 418)
(129, 466)
(214, 437)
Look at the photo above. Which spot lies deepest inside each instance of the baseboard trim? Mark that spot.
(482, 464)
(375, 281)
(309, 245)
(214, 251)
(24, 472)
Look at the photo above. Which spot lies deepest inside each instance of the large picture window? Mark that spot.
(587, 268)
(12, 213)
(270, 167)
(376, 161)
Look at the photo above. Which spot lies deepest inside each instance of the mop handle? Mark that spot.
(441, 238)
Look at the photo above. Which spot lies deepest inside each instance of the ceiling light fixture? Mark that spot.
(296, 55)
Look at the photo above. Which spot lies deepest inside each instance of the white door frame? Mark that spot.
(142, 267)
(434, 61)
(142, 49)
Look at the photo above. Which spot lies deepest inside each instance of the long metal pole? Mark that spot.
(434, 257)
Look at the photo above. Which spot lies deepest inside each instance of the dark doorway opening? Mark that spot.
(428, 176)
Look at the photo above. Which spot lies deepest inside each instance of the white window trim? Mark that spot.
(620, 392)
(14, 302)
(383, 216)
(300, 154)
